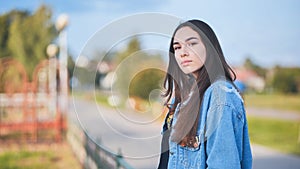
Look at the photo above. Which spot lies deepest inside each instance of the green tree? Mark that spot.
(133, 46)
(5, 22)
(286, 80)
(29, 36)
(145, 82)
(137, 71)
(4, 35)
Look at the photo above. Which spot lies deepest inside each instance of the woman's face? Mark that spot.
(190, 52)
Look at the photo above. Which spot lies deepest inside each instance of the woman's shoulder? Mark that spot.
(223, 99)
(223, 92)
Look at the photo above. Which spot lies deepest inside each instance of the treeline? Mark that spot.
(137, 73)
(25, 36)
(278, 79)
(285, 80)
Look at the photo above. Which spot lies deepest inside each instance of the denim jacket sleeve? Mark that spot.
(223, 145)
(227, 144)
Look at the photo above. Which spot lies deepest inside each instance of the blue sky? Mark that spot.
(268, 31)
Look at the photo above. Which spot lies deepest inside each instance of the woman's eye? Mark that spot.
(176, 47)
(191, 44)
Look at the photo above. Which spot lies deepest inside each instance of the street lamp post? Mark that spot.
(61, 24)
(52, 50)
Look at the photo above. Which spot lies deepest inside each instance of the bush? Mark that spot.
(145, 82)
(286, 80)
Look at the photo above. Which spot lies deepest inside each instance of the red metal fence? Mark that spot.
(29, 109)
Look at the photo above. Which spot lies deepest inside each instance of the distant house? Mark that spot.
(250, 78)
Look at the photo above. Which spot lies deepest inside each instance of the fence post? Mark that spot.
(97, 150)
(119, 156)
(97, 157)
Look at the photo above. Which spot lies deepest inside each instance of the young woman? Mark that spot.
(206, 126)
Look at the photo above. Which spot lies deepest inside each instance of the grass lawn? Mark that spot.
(277, 134)
(99, 97)
(274, 101)
(36, 156)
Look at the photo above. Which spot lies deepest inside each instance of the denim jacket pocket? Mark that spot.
(190, 157)
(193, 148)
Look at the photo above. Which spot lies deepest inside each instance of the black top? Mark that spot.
(164, 155)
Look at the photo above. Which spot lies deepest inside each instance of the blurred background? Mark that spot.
(86, 78)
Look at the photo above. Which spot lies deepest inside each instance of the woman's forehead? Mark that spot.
(184, 33)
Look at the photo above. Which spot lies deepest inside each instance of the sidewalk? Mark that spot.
(266, 158)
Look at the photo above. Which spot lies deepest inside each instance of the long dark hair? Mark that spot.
(189, 91)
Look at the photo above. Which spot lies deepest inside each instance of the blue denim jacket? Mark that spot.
(222, 132)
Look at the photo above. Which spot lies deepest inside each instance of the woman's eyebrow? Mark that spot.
(175, 43)
(188, 39)
(191, 38)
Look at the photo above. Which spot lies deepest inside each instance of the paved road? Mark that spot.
(138, 136)
(266, 158)
(271, 113)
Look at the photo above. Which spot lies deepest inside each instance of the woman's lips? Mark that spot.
(186, 62)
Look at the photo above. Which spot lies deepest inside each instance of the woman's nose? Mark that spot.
(184, 51)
